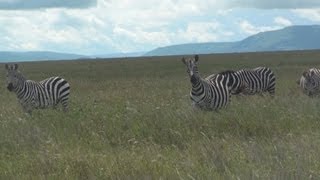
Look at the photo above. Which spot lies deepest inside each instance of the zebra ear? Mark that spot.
(15, 66)
(196, 57)
(184, 60)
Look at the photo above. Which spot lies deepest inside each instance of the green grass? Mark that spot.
(134, 120)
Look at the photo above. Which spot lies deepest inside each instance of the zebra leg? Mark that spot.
(311, 94)
(27, 109)
(29, 112)
(65, 107)
(54, 107)
(261, 93)
(242, 94)
(272, 88)
(195, 106)
(64, 101)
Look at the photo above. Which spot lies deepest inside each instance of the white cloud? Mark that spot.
(126, 25)
(110, 26)
(140, 36)
(46, 30)
(200, 32)
(250, 29)
(131, 39)
(282, 21)
(193, 32)
(310, 14)
(35, 4)
(224, 12)
(274, 4)
(153, 13)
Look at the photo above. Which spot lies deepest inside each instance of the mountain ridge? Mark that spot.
(300, 37)
(13, 56)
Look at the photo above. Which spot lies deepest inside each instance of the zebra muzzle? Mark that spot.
(10, 87)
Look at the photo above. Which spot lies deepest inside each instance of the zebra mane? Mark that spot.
(226, 72)
(20, 75)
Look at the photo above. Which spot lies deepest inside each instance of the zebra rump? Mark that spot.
(57, 90)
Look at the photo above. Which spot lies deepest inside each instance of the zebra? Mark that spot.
(204, 94)
(37, 95)
(249, 81)
(310, 82)
(302, 84)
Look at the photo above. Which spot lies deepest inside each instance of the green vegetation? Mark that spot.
(133, 120)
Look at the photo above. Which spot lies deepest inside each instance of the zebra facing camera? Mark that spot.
(50, 92)
(12, 67)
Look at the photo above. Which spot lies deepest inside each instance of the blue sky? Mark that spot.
(112, 26)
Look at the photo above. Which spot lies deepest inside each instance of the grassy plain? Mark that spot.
(132, 119)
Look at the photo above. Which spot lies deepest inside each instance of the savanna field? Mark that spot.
(132, 119)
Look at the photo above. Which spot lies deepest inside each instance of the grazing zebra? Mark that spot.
(33, 95)
(310, 82)
(205, 94)
(249, 81)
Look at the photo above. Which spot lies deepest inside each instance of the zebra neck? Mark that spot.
(195, 79)
(197, 85)
(21, 89)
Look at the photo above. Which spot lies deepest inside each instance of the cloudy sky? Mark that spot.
(111, 26)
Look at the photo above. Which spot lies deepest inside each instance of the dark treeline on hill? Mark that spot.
(286, 39)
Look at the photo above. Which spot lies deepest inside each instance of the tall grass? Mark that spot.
(134, 120)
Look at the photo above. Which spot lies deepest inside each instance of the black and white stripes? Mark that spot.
(310, 82)
(249, 81)
(34, 95)
(205, 94)
(215, 91)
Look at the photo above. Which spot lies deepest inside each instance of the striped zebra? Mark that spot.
(205, 94)
(37, 95)
(310, 82)
(302, 84)
(249, 81)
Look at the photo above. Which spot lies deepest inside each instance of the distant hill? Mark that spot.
(289, 38)
(12, 56)
(8, 56)
(117, 55)
(286, 39)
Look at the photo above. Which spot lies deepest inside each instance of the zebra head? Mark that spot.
(14, 77)
(311, 83)
(191, 64)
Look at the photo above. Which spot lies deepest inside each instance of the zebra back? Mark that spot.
(257, 80)
(248, 81)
